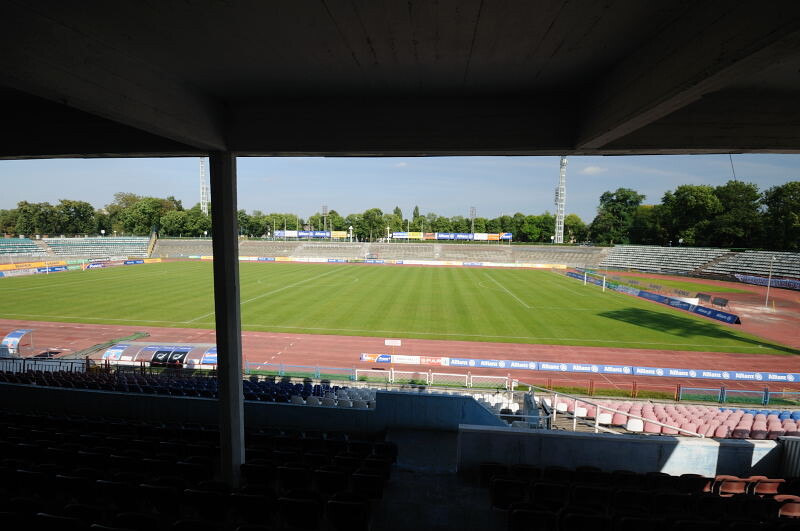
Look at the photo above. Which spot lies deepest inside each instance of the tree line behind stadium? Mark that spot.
(734, 215)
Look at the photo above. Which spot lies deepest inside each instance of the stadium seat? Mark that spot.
(790, 505)
(635, 425)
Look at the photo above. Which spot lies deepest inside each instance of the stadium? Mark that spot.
(441, 380)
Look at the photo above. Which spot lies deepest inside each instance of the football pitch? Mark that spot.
(470, 304)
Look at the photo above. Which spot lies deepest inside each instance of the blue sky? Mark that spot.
(445, 185)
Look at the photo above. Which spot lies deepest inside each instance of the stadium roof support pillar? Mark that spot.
(228, 313)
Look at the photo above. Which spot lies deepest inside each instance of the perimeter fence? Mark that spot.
(576, 386)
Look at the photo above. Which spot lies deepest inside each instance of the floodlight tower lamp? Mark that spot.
(561, 200)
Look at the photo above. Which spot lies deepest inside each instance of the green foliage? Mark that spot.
(615, 216)
(575, 230)
(783, 216)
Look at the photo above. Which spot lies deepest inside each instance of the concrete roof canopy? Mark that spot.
(419, 77)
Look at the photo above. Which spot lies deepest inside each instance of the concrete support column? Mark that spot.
(228, 318)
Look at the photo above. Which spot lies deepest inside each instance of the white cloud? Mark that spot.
(593, 170)
(401, 165)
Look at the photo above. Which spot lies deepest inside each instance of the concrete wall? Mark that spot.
(411, 410)
(639, 453)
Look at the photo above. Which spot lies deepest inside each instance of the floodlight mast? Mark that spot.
(203, 188)
(561, 201)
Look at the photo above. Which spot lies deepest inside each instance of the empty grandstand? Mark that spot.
(780, 264)
(21, 247)
(99, 247)
(681, 260)
(571, 256)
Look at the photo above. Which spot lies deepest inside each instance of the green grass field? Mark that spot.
(503, 305)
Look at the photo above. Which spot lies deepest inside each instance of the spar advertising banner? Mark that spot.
(669, 301)
(339, 234)
(586, 368)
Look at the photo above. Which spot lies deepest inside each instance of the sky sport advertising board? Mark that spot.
(586, 368)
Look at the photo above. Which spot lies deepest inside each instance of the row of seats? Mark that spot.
(759, 263)
(99, 247)
(708, 421)
(14, 246)
(70, 472)
(323, 395)
(548, 496)
(660, 259)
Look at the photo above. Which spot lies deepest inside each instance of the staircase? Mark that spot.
(701, 270)
(44, 247)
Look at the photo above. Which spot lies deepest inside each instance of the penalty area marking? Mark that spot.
(482, 284)
(507, 291)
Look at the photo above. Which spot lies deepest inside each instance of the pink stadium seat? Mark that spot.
(649, 427)
(741, 433)
(689, 426)
(758, 432)
(711, 429)
(619, 419)
(723, 432)
(774, 434)
(669, 431)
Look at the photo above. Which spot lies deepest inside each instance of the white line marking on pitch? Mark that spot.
(278, 290)
(507, 291)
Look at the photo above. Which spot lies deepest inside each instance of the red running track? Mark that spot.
(345, 351)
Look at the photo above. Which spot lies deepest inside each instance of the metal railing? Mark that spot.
(22, 365)
(429, 378)
(597, 426)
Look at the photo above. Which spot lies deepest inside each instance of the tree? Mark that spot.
(373, 223)
(197, 223)
(397, 212)
(646, 226)
(142, 216)
(336, 221)
(75, 217)
(575, 230)
(416, 212)
(688, 212)
(782, 218)
(740, 222)
(37, 218)
(360, 233)
(245, 223)
(480, 224)
(175, 223)
(615, 215)
(8, 221)
(459, 224)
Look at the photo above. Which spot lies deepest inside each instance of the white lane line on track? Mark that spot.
(398, 332)
(272, 292)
